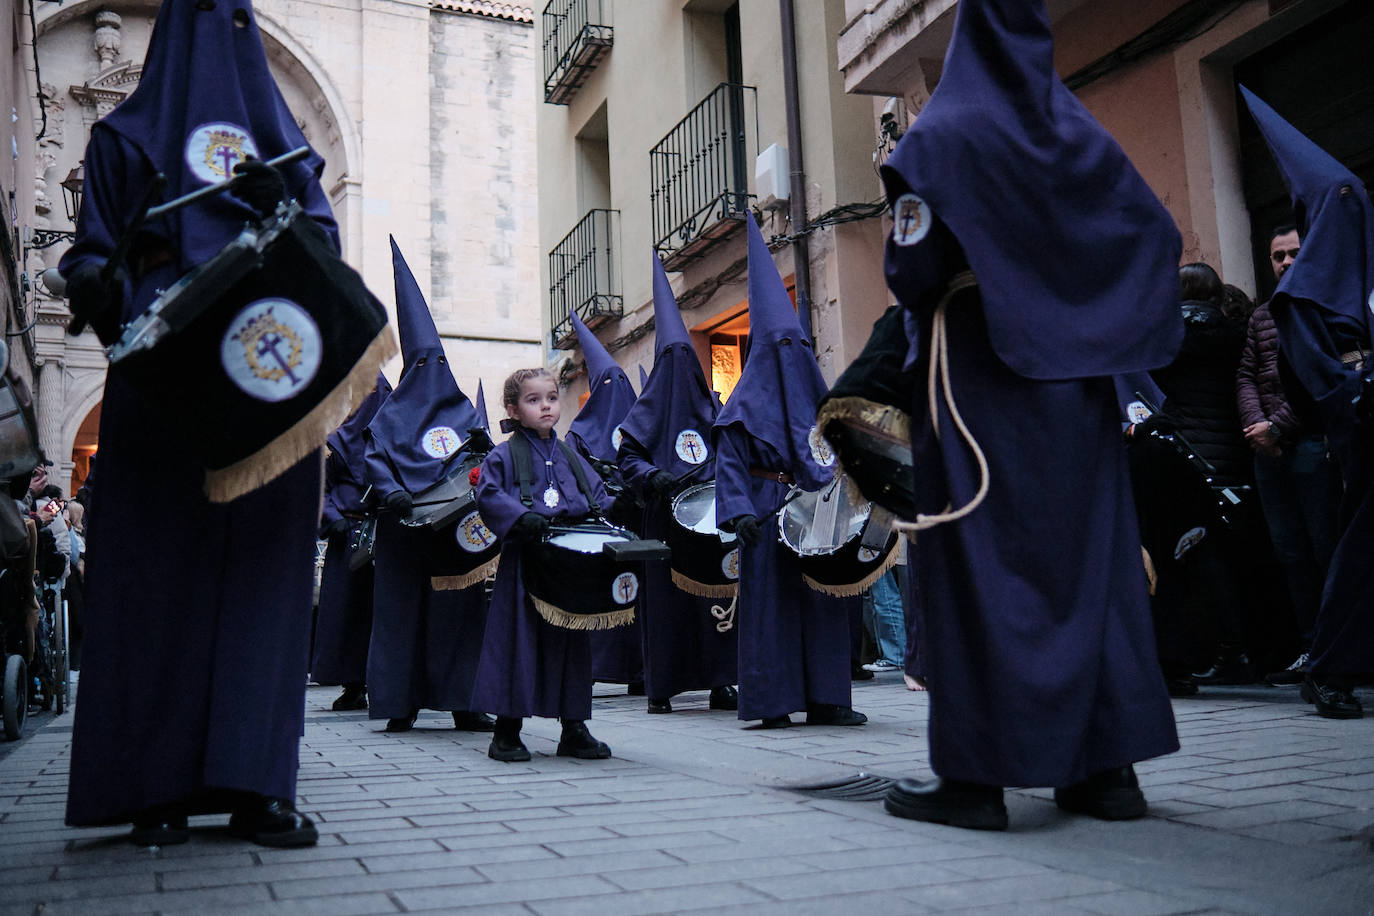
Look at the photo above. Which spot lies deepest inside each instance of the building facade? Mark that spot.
(662, 122)
(421, 109)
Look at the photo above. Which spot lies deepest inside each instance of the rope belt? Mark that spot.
(939, 379)
(1355, 359)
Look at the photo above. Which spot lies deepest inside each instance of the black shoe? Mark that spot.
(273, 822)
(1290, 676)
(947, 801)
(857, 673)
(1180, 686)
(660, 706)
(634, 689)
(1331, 702)
(830, 714)
(402, 723)
(1228, 669)
(1112, 795)
(578, 742)
(726, 697)
(160, 830)
(353, 698)
(468, 721)
(776, 722)
(505, 743)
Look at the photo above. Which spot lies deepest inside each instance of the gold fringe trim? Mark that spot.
(1151, 577)
(701, 589)
(849, 591)
(881, 418)
(560, 618)
(458, 583)
(282, 453)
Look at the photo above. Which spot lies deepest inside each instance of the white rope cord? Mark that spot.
(939, 377)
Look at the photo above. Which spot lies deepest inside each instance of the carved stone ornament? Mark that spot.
(107, 37)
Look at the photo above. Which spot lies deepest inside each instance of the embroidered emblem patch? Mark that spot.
(691, 446)
(867, 554)
(910, 220)
(272, 349)
(214, 149)
(625, 588)
(1137, 412)
(821, 452)
(473, 534)
(440, 442)
(729, 564)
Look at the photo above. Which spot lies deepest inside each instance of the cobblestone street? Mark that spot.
(1264, 810)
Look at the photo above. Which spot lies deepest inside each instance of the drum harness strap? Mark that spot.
(939, 378)
(524, 472)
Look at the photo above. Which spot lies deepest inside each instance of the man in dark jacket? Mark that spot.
(1299, 485)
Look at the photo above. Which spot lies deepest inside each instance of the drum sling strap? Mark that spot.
(524, 472)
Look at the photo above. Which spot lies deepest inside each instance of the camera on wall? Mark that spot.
(892, 121)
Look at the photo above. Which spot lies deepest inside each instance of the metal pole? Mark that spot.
(801, 261)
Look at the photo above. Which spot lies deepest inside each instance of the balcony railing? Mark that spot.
(576, 37)
(699, 173)
(584, 276)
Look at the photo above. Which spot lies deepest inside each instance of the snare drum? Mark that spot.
(825, 529)
(458, 546)
(705, 560)
(575, 583)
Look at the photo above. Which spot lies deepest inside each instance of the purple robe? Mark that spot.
(530, 667)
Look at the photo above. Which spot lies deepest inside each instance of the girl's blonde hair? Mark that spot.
(510, 393)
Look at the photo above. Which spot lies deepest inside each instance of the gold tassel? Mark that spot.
(702, 590)
(457, 583)
(560, 618)
(308, 434)
(857, 588)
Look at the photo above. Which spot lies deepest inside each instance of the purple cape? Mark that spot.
(611, 396)
(675, 401)
(426, 419)
(775, 400)
(205, 101)
(1080, 277)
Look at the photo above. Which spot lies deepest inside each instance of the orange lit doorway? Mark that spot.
(84, 448)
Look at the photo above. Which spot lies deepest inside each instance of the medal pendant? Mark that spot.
(551, 497)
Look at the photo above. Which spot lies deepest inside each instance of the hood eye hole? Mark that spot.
(420, 362)
(443, 360)
(786, 341)
(1345, 190)
(205, 6)
(241, 19)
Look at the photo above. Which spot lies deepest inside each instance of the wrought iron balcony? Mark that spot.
(584, 276)
(699, 173)
(575, 39)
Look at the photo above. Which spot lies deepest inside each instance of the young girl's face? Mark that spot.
(538, 407)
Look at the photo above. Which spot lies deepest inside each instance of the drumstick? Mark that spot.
(299, 152)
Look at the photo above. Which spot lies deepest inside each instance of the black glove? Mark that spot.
(334, 528)
(259, 185)
(400, 503)
(748, 531)
(529, 527)
(660, 483)
(95, 303)
(1154, 423)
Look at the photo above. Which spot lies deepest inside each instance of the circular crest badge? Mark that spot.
(473, 534)
(440, 441)
(691, 446)
(272, 349)
(616, 438)
(821, 452)
(624, 588)
(729, 564)
(867, 554)
(910, 220)
(214, 149)
(1137, 412)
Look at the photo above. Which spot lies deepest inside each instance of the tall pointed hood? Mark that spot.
(427, 417)
(673, 417)
(482, 416)
(347, 440)
(204, 102)
(1076, 258)
(1335, 268)
(610, 397)
(776, 398)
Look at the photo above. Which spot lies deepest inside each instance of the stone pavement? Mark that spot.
(1263, 811)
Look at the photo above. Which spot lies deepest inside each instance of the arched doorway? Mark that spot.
(84, 447)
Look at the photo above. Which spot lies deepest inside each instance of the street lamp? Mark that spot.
(71, 190)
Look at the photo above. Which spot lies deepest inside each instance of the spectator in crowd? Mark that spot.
(885, 617)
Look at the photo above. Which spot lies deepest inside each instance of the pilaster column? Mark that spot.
(51, 401)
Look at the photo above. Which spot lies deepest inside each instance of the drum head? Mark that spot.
(585, 541)
(823, 521)
(695, 509)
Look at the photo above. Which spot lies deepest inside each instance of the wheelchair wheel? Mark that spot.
(16, 697)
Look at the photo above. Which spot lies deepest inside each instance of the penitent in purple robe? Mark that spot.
(530, 667)
(197, 614)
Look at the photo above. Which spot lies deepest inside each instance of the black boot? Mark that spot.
(724, 697)
(1112, 795)
(660, 706)
(505, 741)
(272, 822)
(1232, 667)
(830, 714)
(948, 801)
(467, 721)
(578, 742)
(162, 826)
(402, 723)
(635, 689)
(1332, 698)
(354, 697)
